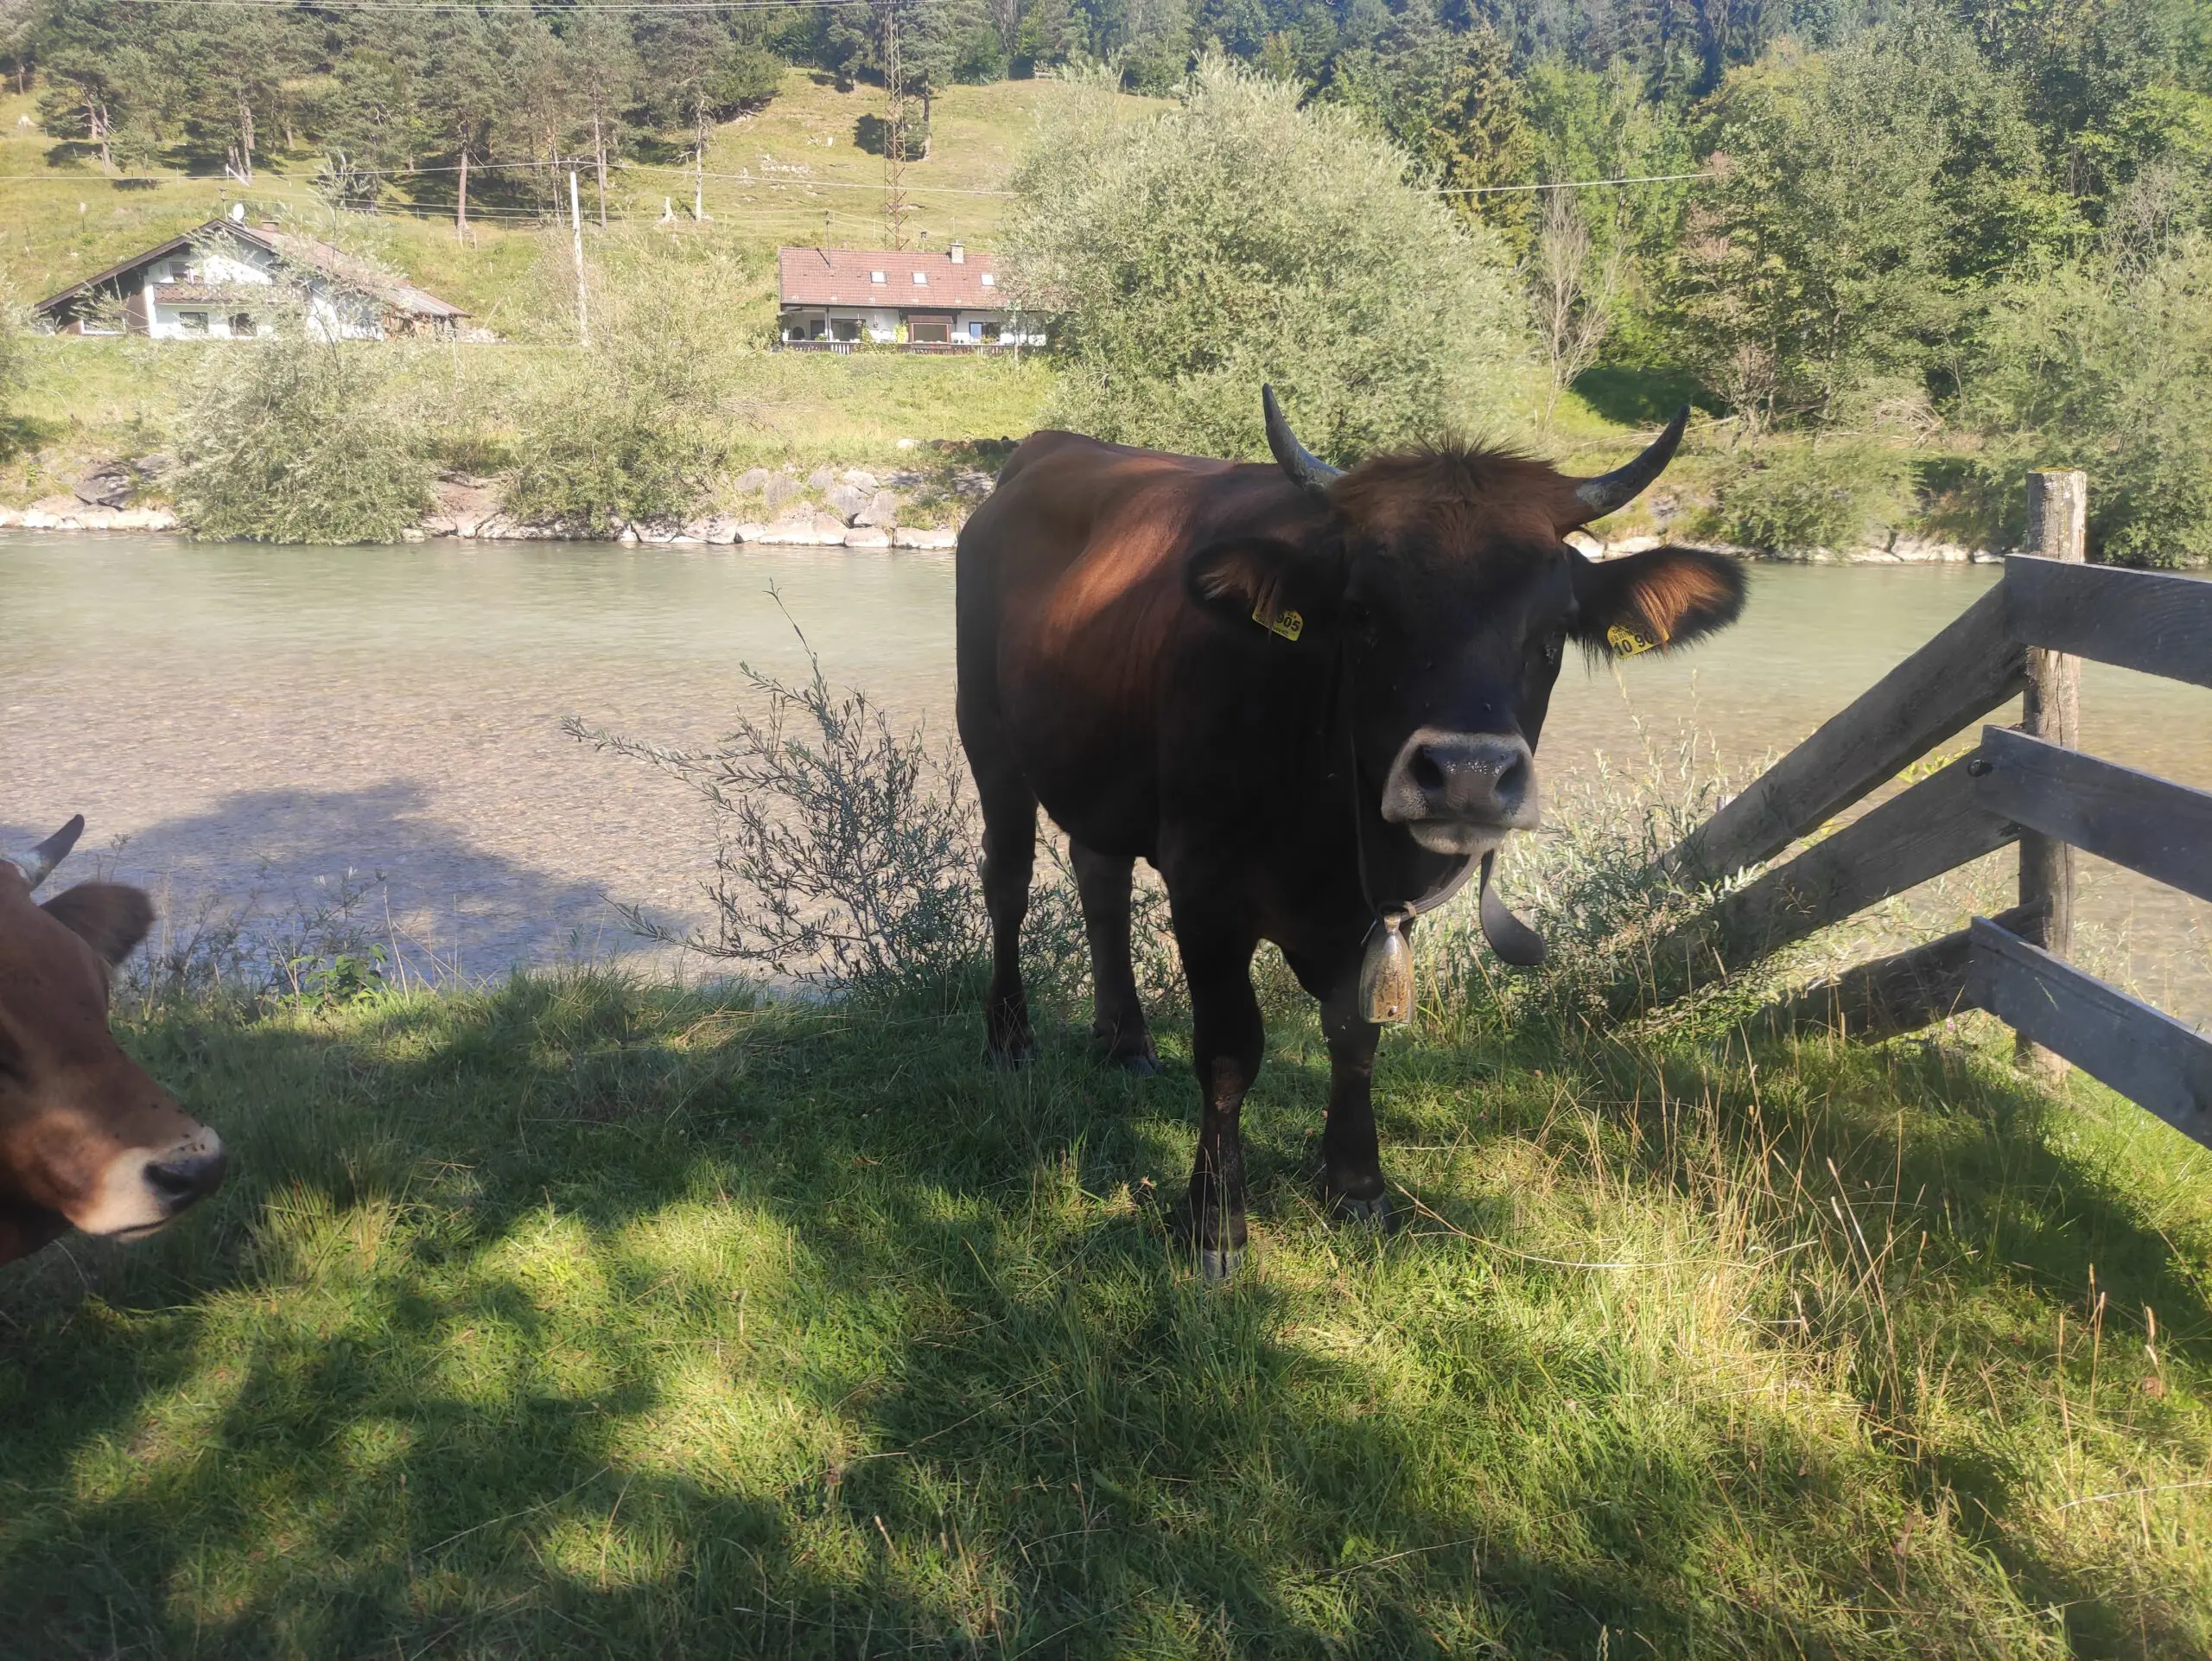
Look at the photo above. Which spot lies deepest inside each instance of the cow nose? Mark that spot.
(186, 1178)
(1486, 778)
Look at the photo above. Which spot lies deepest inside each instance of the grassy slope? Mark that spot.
(576, 1317)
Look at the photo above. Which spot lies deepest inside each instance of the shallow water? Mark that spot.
(245, 724)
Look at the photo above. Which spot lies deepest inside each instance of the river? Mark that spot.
(243, 726)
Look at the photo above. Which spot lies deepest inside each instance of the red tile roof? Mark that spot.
(843, 276)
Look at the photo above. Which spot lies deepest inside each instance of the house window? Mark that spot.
(990, 280)
(192, 322)
(875, 276)
(921, 279)
(817, 328)
(928, 334)
(975, 331)
(991, 331)
(846, 328)
(241, 327)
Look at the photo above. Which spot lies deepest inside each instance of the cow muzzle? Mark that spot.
(143, 1188)
(1461, 792)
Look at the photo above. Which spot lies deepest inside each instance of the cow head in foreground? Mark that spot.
(1442, 579)
(1310, 698)
(88, 1140)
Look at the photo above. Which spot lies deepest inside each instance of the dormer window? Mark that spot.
(921, 279)
(875, 276)
(990, 280)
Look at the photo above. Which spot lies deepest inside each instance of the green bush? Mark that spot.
(1184, 259)
(296, 439)
(1796, 498)
(2100, 367)
(631, 427)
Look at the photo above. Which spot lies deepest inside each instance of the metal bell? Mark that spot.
(1386, 973)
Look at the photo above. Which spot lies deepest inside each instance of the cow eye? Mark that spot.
(1551, 645)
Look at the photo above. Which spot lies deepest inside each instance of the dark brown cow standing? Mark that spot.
(88, 1140)
(1127, 658)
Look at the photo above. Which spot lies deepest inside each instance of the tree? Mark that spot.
(464, 95)
(696, 76)
(233, 72)
(1574, 286)
(1448, 97)
(1235, 238)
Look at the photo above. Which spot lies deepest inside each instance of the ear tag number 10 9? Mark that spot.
(1627, 642)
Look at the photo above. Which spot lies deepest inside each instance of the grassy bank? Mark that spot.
(595, 1318)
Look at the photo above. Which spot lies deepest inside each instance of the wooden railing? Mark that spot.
(2028, 785)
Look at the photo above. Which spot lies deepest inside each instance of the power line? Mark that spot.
(1575, 184)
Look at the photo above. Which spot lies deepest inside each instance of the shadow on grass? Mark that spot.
(588, 1318)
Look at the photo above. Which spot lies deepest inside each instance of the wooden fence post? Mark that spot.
(2058, 506)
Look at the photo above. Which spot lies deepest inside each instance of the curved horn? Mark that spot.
(1303, 467)
(1601, 495)
(39, 863)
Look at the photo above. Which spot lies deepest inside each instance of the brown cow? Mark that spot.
(1310, 699)
(86, 1139)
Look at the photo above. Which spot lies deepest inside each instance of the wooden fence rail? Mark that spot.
(2028, 785)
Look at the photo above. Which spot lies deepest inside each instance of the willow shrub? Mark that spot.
(1833, 495)
(2100, 367)
(292, 438)
(632, 426)
(1185, 258)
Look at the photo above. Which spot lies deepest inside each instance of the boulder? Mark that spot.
(37, 519)
(719, 532)
(752, 480)
(821, 478)
(858, 478)
(919, 537)
(748, 532)
(779, 489)
(868, 538)
(108, 485)
(806, 531)
(883, 509)
(849, 501)
(10, 517)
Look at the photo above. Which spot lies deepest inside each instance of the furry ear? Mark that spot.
(106, 916)
(1263, 582)
(1662, 597)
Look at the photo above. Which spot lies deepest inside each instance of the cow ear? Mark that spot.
(106, 916)
(1265, 583)
(1662, 597)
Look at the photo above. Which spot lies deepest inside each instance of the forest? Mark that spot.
(1854, 219)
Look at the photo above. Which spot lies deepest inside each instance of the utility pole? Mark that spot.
(576, 228)
(894, 135)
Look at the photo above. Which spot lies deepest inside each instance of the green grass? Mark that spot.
(587, 1317)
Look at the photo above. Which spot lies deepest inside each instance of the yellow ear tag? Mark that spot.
(1627, 643)
(1287, 623)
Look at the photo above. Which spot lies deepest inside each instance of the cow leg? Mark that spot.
(1009, 854)
(1118, 1019)
(1352, 1189)
(1227, 1041)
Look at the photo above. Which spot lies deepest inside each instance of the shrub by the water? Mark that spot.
(1796, 498)
(1237, 239)
(292, 438)
(631, 428)
(2099, 367)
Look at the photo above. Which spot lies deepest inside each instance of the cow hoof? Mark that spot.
(1018, 1054)
(1377, 1214)
(1219, 1262)
(1139, 1063)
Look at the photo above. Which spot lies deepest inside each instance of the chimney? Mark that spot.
(959, 254)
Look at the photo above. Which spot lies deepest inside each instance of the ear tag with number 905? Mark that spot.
(1285, 623)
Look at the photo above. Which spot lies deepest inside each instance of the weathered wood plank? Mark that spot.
(2143, 1054)
(2150, 620)
(1961, 675)
(1937, 825)
(2137, 820)
(1900, 993)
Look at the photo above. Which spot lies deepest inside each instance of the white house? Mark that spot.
(833, 299)
(218, 282)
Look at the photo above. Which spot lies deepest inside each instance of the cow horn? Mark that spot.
(39, 863)
(1303, 467)
(1608, 491)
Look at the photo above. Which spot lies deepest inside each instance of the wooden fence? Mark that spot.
(2029, 785)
